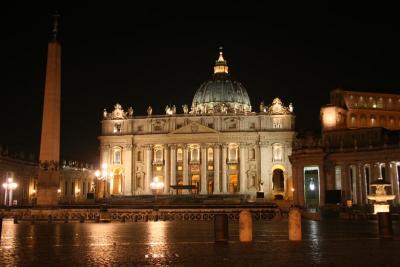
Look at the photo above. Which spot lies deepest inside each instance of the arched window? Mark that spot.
(194, 154)
(210, 154)
(233, 154)
(382, 121)
(353, 120)
(373, 121)
(117, 155)
(179, 154)
(158, 155)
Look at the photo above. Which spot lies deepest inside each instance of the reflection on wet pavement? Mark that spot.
(327, 243)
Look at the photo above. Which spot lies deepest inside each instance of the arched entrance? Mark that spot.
(116, 182)
(278, 181)
(196, 183)
(210, 186)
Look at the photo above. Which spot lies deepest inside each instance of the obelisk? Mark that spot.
(48, 180)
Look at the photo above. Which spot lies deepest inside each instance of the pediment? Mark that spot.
(194, 127)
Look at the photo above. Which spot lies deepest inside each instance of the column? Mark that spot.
(166, 169)
(322, 186)
(149, 169)
(173, 164)
(224, 181)
(295, 178)
(242, 163)
(300, 185)
(265, 160)
(185, 167)
(358, 183)
(203, 170)
(345, 182)
(363, 184)
(216, 168)
(393, 180)
(396, 182)
(127, 163)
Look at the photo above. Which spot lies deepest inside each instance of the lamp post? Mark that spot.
(103, 175)
(156, 185)
(9, 186)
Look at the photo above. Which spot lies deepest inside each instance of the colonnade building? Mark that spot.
(360, 143)
(218, 145)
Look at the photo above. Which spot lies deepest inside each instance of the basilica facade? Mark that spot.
(218, 145)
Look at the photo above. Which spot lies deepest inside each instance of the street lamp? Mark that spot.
(156, 185)
(9, 186)
(103, 175)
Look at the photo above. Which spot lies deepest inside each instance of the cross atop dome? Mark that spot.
(220, 64)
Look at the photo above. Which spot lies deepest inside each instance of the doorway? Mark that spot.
(311, 187)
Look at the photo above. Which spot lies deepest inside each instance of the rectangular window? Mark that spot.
(210, 125)
(338, 178)
(210, 167)
(179, 168)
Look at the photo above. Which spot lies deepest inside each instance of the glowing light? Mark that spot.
(312, 185)
(156, 184)
(9, 186)
(292, 189)
(381, 208)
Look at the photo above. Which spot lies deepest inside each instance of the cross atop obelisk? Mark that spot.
(48, 181)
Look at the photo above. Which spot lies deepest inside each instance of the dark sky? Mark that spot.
(160, 54)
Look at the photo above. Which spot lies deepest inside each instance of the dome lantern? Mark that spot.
(220, 64)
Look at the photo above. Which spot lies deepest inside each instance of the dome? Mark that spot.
(221, 94)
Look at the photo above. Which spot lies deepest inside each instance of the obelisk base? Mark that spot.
(48, 183)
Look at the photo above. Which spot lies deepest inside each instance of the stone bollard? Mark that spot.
(16, 220)
(221, 228)
(385, 224)
(245, 226)
(49, 219)
(294, 224)
(82, 219)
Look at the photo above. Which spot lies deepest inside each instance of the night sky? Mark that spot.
(160, 54)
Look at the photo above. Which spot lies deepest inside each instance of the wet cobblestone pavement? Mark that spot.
(325, 243)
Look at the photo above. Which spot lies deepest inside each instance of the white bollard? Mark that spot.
(294, 224)
(245, 226)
